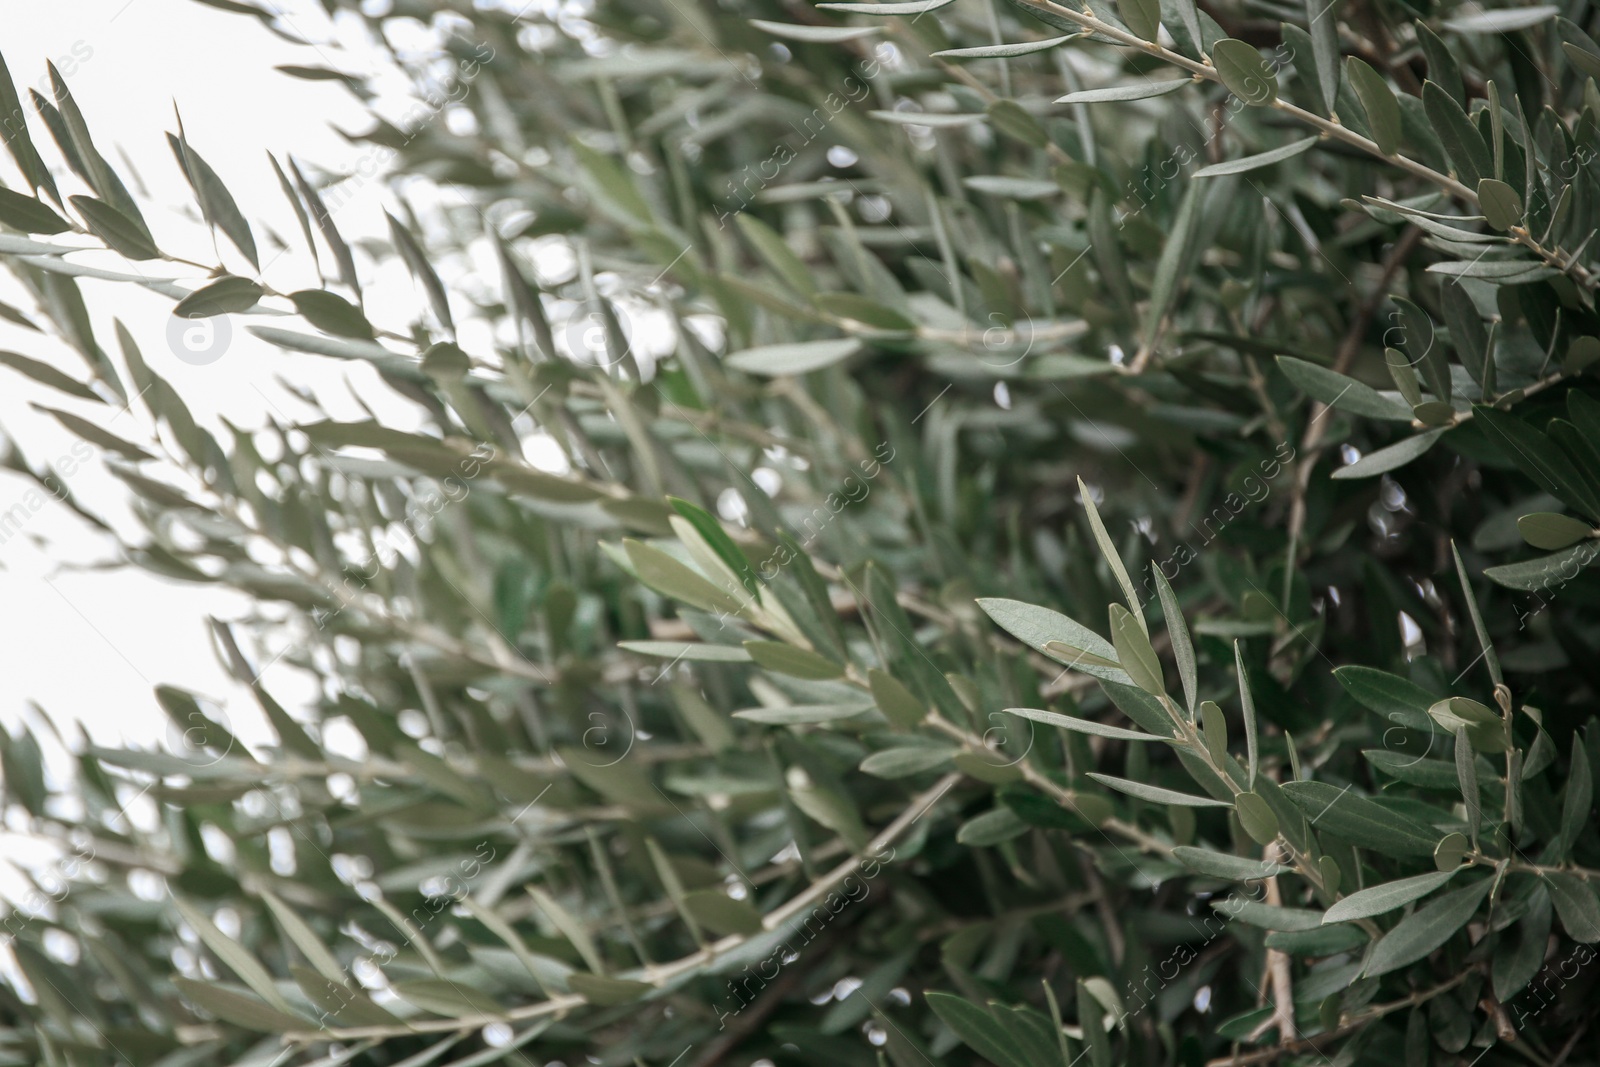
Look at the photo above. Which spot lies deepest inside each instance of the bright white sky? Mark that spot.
(89, 644)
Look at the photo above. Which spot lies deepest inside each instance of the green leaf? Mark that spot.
(1551, 531)
(721, 914)
(979, 1030)
(217, 205)
(896, 702)
(1134, 652)
(789, 359)
(775, 251)
(1078, 659)
(1390, 458)
(1323, 27)
(795, 662)
(1017, 122)
(719, 542)
(1091, 1020)
(524, 481)
(1003, 51)
(1249, 705)
(240, 1009)
(45, 374)
(1507, 20)
(331, 313)
(1318, 943)
(1501, 204)
(936, 120)
(1380, 899)
(1443, 70)
(668, 577)
(234, 956)
(1540, 458)
(1467, 780)
(904, 7)
(569, 927)
(1121, 93)
(1467, 334)
(1483, 726)
(1515, 964)
(1450, 851)
(94, 434)
(1244, 72)
(1178, 637)
(497, 925)
(1577, 803)
(1423, 931)
(1223, 865)
(444, 997)
(341, 1002)
(1360, 821)
(857, 308)
(832, 810)
(1377, 99)
(1108, 550)
(416, 261)
(18, 143)
(1588, 64)
(120, 233)
(1012, 188)
(802, 714)
(1576, 904)
(1267, 916)
(1404, 376)
(1489, 657)
(1417, 337)
(815, 34)
(1156, 794)
(1039, 628)
(1143, 17)
(1555, 570)
(1520, 271)
(906, 760)
(608, 992)
(1215, 725)
(305, 939)
(1171, 269)
(991, 828)
(1340, 391)
(1256, 162)
(1257, 818)
(1461, 140)
(27, 214)
(224, 296)
(330, 233)
(1085, 726)
(90, 164)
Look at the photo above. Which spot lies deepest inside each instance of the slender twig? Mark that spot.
(1317, 426)
(662, 974)
(1279, 970)
(1347, 1027)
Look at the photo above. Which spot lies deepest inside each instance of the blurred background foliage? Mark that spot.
(762, 357)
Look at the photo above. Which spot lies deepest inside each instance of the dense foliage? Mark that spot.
(713, 615)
